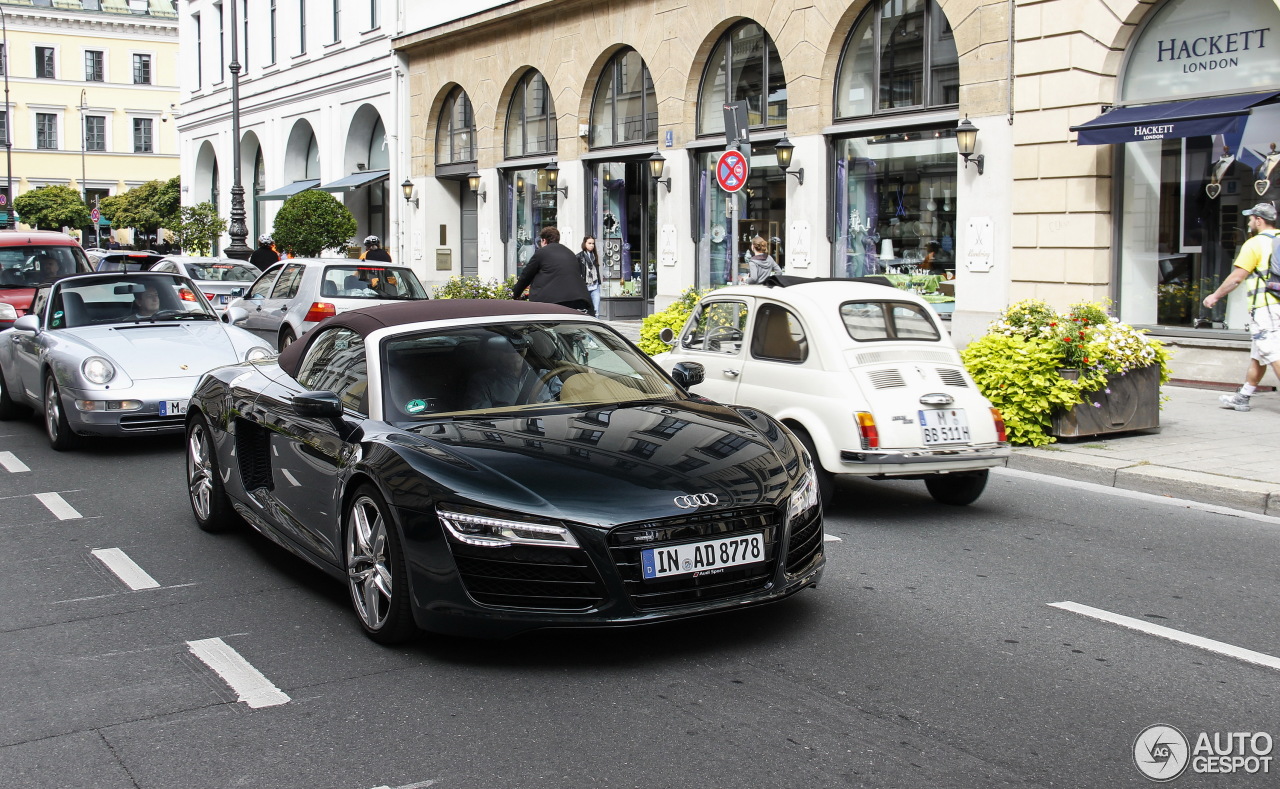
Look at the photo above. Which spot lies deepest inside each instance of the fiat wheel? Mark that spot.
(957, 488)
(376, 573)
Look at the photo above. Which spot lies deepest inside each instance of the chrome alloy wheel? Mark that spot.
(368, 563)
(199, 472)
(52, 412)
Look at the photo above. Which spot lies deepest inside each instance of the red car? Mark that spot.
(30, 258)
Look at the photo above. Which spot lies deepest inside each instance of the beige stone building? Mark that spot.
(558, 108)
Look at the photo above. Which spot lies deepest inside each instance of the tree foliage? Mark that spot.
(311, 222)
(52, 208)
(146, 207)
(198, 227)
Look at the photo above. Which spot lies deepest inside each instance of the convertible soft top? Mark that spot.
(369, 319)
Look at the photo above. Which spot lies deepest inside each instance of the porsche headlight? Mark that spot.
(804, 497)
(257, 353)
(490, 532)
(98, 370)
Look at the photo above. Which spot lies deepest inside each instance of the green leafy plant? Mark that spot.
(475, 288)
(146, 207)
(1017, 363)
(673, 317)
(198, 228)
(311, 222)
(52, 208)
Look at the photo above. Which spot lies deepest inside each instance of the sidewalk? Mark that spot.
(1203, 452)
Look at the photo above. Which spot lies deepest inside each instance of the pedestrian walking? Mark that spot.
(591, 271)
(265, 255)
(760, 264)
(1254, 264)
(373, 250)
(554, 275)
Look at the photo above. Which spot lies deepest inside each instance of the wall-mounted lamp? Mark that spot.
(656, 165)
(966, 139)
(519, 183)
(407, 189)
(473, 182)
(553, 174)
(360, 166)
(784, 148)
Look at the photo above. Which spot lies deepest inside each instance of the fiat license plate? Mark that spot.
(697, 558)
(944, 426)
(173, 407)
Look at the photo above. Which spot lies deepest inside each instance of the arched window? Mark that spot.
(378, 158)
(624, 109)
(313, 159)
(743, 67)
(901, 55)
(455, 136)
(531, 118)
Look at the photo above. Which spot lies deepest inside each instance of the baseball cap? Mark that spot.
(1265, 210)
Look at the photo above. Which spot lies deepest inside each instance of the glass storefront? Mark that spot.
(895, 204)
(625, 223)
(728, 221)
(531, 206)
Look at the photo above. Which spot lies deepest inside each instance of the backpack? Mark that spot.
(1272, 284)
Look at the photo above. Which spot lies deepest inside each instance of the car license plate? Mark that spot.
(222, 299)
(944, 426)
(696, 558)
(173, 407)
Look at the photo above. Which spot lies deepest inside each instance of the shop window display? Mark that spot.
(625, 220)
(531, 206)
(728, 221)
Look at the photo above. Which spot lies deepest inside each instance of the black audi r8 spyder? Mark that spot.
(488, 467)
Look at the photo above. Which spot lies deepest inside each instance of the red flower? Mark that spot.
(1086, 360)
(1066, 339)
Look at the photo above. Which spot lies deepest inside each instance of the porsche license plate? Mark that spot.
(696, 558)
(173, 407)
(944, 426)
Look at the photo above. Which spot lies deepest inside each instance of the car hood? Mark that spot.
(613, 465)
(160, 350)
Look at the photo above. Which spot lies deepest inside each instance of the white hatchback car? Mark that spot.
(296, 294)
(861, 372)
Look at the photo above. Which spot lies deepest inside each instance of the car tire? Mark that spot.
(376, 575)
(56, 426)
(958, 488)
(209, 501)
(826, 480)
(8, 408)
(287, 338)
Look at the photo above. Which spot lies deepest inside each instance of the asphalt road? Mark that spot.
(929, 657)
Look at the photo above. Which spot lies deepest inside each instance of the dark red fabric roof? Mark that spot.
(369, 319)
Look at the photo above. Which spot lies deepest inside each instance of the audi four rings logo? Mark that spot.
(699, 500)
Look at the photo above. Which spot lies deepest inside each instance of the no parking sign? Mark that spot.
(732, 169)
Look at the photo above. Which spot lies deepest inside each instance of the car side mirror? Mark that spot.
(667, 336)
(234, 315)
(320, 405)
(688, 374)
(29, 323)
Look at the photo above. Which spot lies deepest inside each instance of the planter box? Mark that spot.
(1133, 404)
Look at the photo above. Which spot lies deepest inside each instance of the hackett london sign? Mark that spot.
(1210, 52)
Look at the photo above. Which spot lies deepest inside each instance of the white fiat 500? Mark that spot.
(862, 373)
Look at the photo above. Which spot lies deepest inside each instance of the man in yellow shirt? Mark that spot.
(1254, 264)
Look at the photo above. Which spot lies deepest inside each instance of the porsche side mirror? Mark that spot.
(667, 336)
(320, 405)
(688, 374)
(29, 323)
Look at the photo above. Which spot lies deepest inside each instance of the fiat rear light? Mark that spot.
(1001, 434)
(867, 431)
(319, 311)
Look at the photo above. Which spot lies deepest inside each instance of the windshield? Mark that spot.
(145, 298)
(366, 281)
(513, 367)
(35, 264)
(222, 272)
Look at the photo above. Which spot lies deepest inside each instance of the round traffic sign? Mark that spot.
(95, 215)
(4, 199)
(732, 170)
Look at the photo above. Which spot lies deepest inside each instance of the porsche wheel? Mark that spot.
(376, 573)
(959, 488)
(55, 420)
(209, 502)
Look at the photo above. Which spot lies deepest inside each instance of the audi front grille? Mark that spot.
(529, 577)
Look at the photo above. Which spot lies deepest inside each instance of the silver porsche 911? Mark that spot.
(115, 354)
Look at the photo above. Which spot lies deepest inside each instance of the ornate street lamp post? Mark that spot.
(8, 127)
(237, 229)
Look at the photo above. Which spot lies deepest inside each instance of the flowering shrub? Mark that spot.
(673, 317)
(475, 288)
(1016, 363)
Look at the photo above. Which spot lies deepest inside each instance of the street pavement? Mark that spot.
(1202, 452)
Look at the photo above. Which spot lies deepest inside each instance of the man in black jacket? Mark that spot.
(554, 275)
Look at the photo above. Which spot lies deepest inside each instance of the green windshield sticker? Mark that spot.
(415, 406)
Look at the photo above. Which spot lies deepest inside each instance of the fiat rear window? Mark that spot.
(870, 321)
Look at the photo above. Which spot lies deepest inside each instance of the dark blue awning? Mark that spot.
(1196, 118)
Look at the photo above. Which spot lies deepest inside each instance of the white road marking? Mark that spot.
(11, 463)
(419, 785)
(126, 569)
(1139, 496)
(59, 507)
(1239, 653)
(113, 594)
(249, 684)
(831, 538)
(289, 477)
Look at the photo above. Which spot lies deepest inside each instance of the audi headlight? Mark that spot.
(490, 532)
(98, 370)
(804, 497)
(257, 353)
